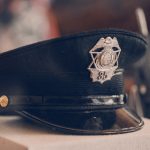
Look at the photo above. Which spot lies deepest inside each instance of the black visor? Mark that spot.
(105, 121)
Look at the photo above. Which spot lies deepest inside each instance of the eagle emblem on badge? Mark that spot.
(104, 56)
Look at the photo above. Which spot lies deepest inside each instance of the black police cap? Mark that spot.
(73, 84)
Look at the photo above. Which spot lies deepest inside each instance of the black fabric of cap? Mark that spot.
(59, 66)
(50, 82)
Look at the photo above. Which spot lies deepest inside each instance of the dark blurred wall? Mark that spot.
(79, 15)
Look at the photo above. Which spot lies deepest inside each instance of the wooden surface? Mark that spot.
(18, 134)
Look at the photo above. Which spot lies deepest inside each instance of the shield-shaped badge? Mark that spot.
(105, 56)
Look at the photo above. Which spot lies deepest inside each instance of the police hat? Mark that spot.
(73, 84)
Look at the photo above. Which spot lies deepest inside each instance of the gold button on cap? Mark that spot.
(3, 101)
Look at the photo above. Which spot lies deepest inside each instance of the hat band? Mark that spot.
(64, 103)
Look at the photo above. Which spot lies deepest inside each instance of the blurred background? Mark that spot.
(24, 22)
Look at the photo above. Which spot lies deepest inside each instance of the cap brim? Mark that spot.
(105, 121)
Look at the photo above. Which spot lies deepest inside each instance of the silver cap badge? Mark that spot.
(105, 56)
